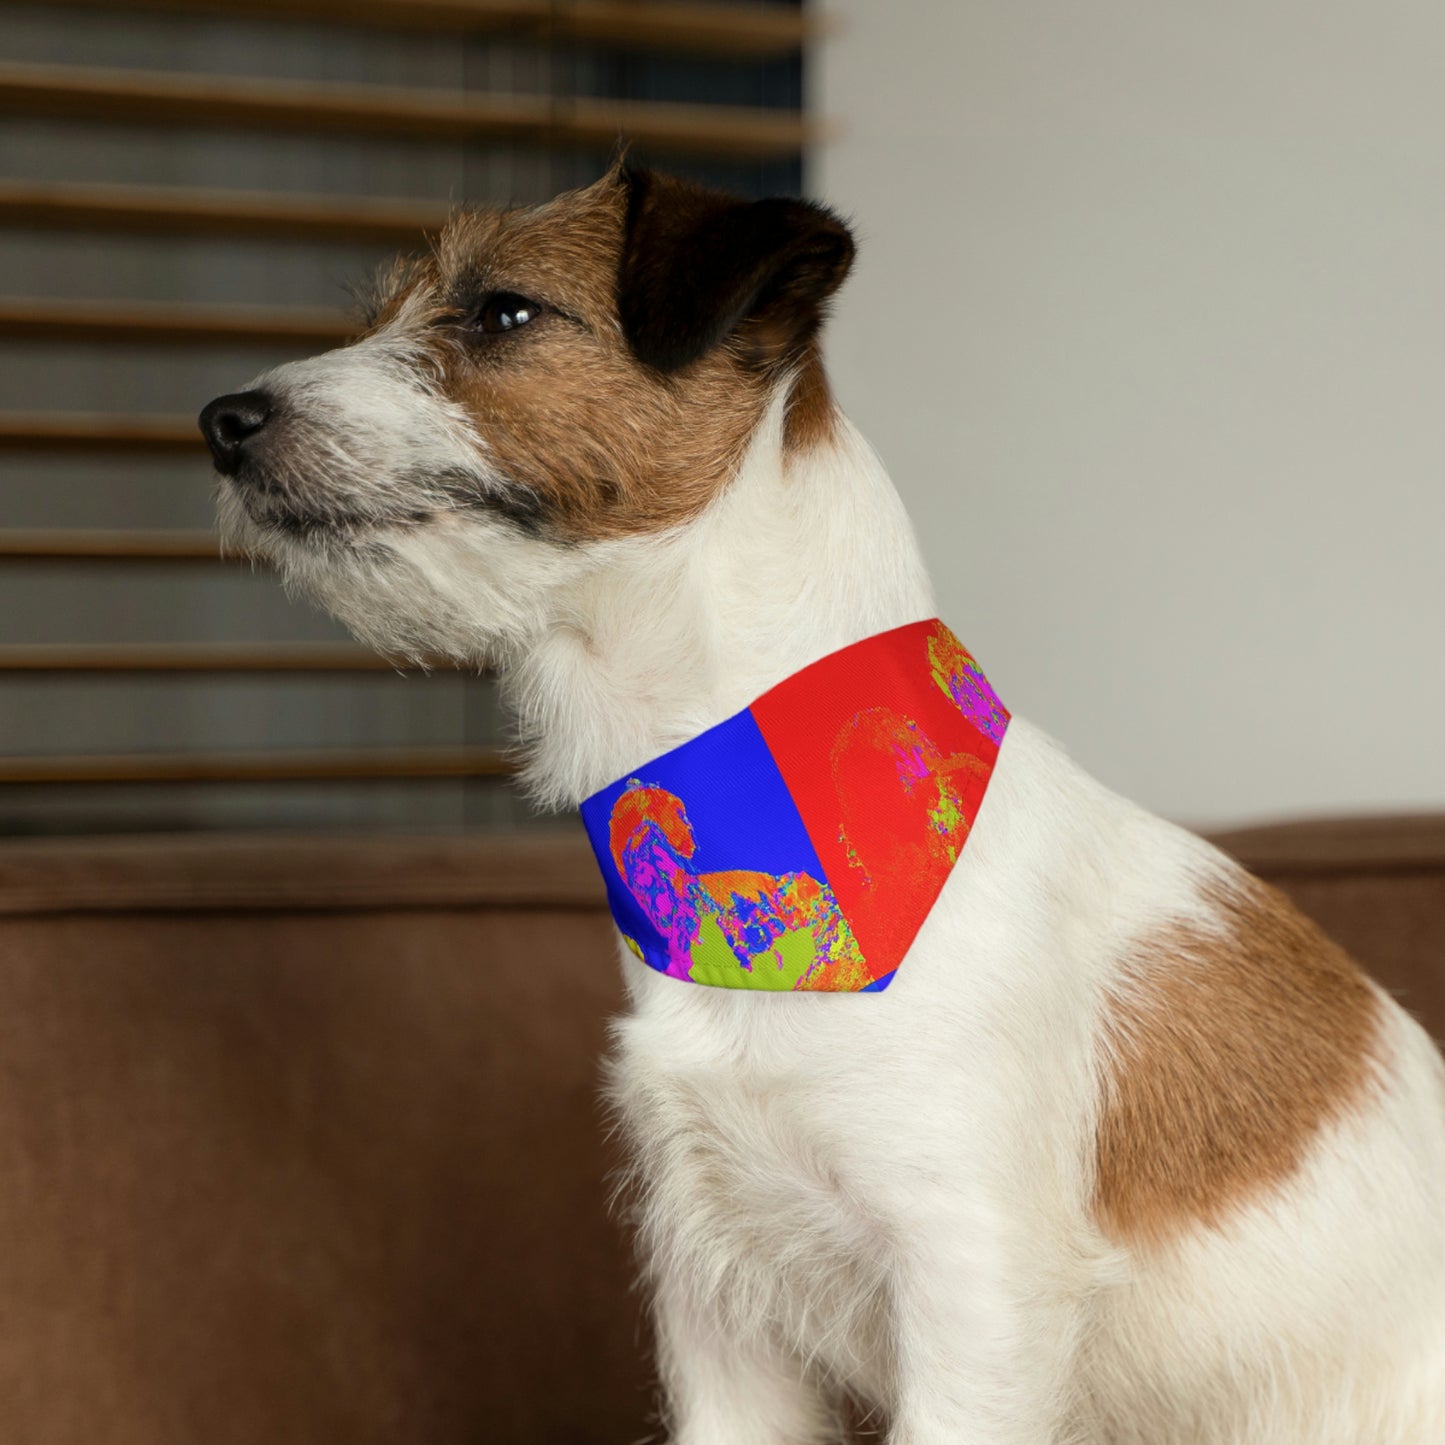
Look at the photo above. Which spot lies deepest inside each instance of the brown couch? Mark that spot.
(299, 1141)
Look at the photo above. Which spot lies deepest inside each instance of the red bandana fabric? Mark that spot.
(800, 844)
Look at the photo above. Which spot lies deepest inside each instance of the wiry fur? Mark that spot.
(896, 1197)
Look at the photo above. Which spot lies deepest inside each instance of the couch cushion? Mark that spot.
(299, 1141)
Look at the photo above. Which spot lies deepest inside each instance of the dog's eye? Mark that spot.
(506, 311)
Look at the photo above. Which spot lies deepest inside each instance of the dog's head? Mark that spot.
(546, 382)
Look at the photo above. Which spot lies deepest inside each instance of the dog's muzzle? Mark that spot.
(231, 424)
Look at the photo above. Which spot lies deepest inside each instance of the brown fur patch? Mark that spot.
(595, 442)
(1228, 1051)
(812, 413)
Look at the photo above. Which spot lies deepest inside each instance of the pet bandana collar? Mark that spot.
(801, 843)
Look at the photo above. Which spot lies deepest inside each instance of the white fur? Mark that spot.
(890, 1194)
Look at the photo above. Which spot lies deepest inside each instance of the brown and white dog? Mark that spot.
(1129, 1152)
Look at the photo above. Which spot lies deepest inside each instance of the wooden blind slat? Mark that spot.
(94, 431)
(160, 98)
(168, 323)
(173, 210)
(256, 767)
(705, 29)
(181, 657)
(754, 31)
(108, 546)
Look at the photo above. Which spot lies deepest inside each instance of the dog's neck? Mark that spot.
(804, 553)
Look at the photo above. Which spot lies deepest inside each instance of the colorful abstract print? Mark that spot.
(801, 844)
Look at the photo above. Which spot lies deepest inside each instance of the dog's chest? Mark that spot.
(747, 1185)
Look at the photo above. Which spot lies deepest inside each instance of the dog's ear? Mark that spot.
(699, 266)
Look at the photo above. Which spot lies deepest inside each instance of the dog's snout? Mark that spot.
(229, 422)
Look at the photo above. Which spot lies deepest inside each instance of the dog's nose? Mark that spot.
(229, 422)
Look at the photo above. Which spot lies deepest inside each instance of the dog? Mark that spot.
(1127, 1153)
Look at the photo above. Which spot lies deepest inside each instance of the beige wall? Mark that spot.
(1149, 324)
